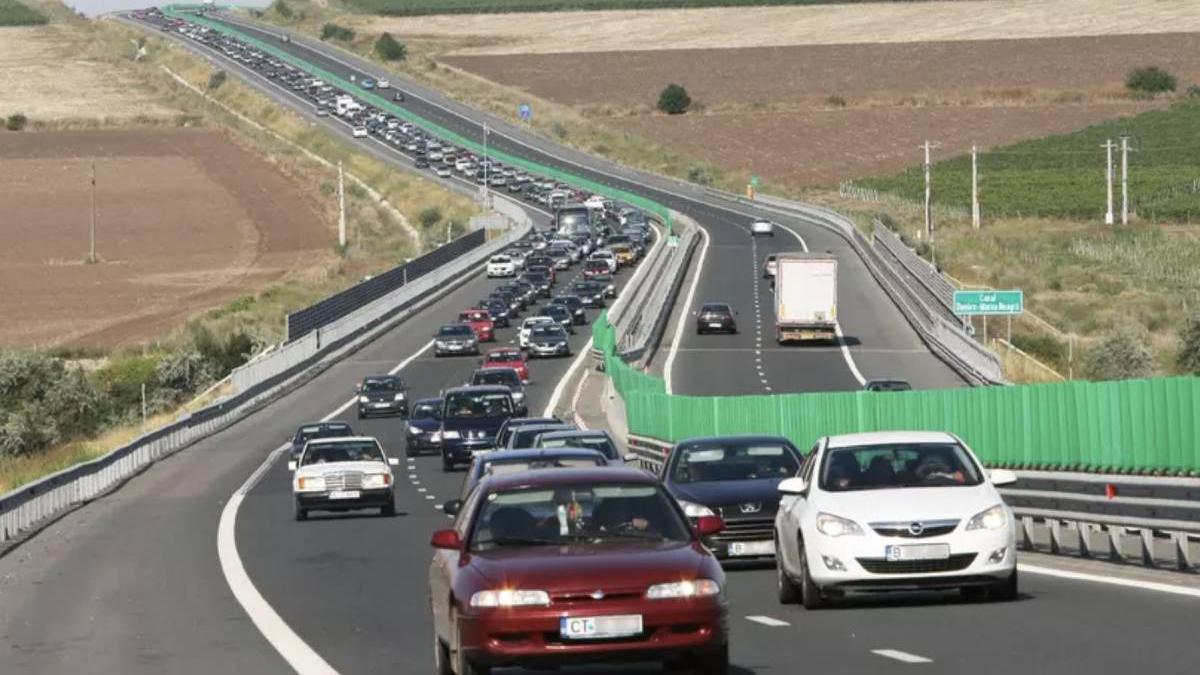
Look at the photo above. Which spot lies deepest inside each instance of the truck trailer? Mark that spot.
(805, 297)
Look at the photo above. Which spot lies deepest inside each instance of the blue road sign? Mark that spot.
(525, 112)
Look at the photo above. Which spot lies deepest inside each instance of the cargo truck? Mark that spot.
(805, 297)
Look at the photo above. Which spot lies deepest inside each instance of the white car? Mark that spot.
(527, 327)
(608, 257)
(443, 171)
(769, 266)
(501, 266)
(383, 84)
(763, 227)
(360, 132)
(342, 474)
(894, 511)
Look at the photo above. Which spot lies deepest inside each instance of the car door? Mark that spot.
(792, 509)
(443, 569)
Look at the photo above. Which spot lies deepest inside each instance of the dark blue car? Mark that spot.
(471, 417)
(307, 432)
(734, 477)
(424, 422)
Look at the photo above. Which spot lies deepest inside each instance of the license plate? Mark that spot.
(739, 548)
(381, 404)
(344, 494)
(600, 627)
(918, 552)
(714, 325)
(454, 348)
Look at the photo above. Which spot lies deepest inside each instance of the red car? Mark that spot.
(593, 268)
(507, 357)
(481, 322)
(560, 566)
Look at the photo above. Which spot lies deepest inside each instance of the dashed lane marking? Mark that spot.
(768, 621)
(901, 656)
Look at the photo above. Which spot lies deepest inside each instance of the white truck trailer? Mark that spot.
(805, 297)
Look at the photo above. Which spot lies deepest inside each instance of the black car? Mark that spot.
(547, 340)
(509, 299)
(715, 317)
(382, 395)
(524, 436)
(590, 292)
(424, 421)
(575, 305)
(560, 314)
(607, 282)
(539, 281)
(471, 418)
(500, 311)
(398, 96)
(505, 377)
(421, 162)
(307, 432)
(887, 385)
(510, 427)
(455, 338)
(734, 477)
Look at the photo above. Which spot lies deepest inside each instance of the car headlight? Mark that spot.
(398, 397)
(435, 437)
(416, 431)
(310, 483)
(510, 598)
(700, 588)
(376, 480)
(693, 510)
(518, 396)
(993, 518)
(440, 344)
(449, 434)
(836, 526)
(363, 399)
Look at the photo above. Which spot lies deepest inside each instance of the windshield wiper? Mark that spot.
(630, 534)
(517, 541)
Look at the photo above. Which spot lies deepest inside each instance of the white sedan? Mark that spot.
(894, 511)
(764, 227)
(501, 266)
(342, 474)
(608, 257)
(383, 84)
(527, 328)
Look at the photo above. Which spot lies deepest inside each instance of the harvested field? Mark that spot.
(823, 147)
(883, 73)
(185, 220)
(555, 32)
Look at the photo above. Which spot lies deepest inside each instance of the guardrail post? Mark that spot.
(1027, 533)
(1115, 532)
(1055, 536)
(1183, 554)
(1148, 547)
(1085, 539)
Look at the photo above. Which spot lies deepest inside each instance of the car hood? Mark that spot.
(722, 493)
(548, 340)
(588, 567)
(380, 395)
(872, 506)
(339, 467)
(425, 424)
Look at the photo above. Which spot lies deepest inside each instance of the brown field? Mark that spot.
(185, 220)
(555, 32)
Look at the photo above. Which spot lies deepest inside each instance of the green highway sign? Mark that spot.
(983, 303)
(754, 181)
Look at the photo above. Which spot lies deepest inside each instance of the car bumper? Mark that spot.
(703, 326)
(382, 408)
(474, 349)
(366, 499)
(460, 451)
(536, 351)
(532, 637)
(422, 442)
(976, 558)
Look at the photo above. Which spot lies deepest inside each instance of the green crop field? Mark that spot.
(13, 13)
(419, 7)
(1063, 176)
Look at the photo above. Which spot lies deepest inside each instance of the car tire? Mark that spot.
(388, 510)
(441, 657)
(1006, 590)
(715, 662)
(299, 512)
(810, 593)
(447, 465)
(787, 590)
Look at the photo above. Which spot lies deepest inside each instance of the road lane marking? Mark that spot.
(687, 306)
(901, 656)
(430, 497)
(1115, 581)
(768, 621)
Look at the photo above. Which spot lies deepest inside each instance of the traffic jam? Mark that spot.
(562, 549)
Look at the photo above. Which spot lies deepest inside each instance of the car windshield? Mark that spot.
(545, 330)
(889, 385)
(523, 437)
(380, 384)
(462, 405)
(597, 442)
(349, 451)
(900, 465)
(714, 309)
(323, 431)
(473, 316)
(501, 259)
(576, 514)
(504, 357)
(425, 411)
(734, 462)
(454, 331)
(505, 376)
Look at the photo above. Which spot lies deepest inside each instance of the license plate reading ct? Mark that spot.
(344, 494)
(919, 552)
(600, 627)
(740, 548)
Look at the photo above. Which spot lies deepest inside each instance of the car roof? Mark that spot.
(526, 421)
(479, 389)
(732, 439)
(427, 401)
(494, 369)
(502, 350)
(572, 476)
(886, 437)
(575, 433)
(534, 453)
(342, 439)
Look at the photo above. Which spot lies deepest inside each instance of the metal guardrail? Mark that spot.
(645, 313)
(939, 290)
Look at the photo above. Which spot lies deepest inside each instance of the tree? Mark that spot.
(282, 9)
(335, 32)
(1187, 361)
(1150, 80)
(429, 216)
(216, 80)
(674, 100)
(390, 49)
(16, 122)
(1121, 355)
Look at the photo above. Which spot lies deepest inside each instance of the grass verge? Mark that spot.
(419, 7)
(13, 13)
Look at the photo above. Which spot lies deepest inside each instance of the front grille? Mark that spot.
(905, 530)
(959, 561)
(749, 529)
(585, 596)
(346, 480)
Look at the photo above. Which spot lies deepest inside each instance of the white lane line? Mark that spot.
(687, 307)
(768, 621)
(346, 406)
(837, 328)
(579, 421)
(901, 656)
(1115, 581)
(584, 353)
(430, 497)
(421, 489)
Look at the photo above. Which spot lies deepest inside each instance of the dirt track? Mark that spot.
(185, 220)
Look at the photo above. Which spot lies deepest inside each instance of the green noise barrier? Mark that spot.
(1130, 426)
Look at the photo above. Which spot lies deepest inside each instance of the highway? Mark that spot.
(133, 583)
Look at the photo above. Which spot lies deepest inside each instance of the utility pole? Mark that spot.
(486, 166)
(92, 254)
(341, 209)
(974, 188)
(928, 195)
(1124, 180)
(1108, 215)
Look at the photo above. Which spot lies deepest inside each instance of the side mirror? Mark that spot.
(452, 507)
(1002, 477)
(706, 526)
(447, 539)
(394, 461)
(792, 486)
(358, 388)
(292, 465)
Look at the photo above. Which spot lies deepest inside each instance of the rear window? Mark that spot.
(454, 331)
(504, 357)
(599, 443)
(504, 376)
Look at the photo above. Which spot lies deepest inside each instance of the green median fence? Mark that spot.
(1129, 426)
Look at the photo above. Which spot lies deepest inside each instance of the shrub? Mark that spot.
(1150, 80)
(1193, 91)
(389, 49)
(674, 100)
(332, 31)
(430, 216)
(700, 175)
(1187, 361)
(42, 403)
(217, 358)
(835, 101)
(1121, 355)
(16, 122)
(216, 80)
(1043, 347)
(282, 9)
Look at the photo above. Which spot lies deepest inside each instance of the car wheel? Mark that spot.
(441, 657)
(299, 511)
(715, 662)
(1005, 591)
(787, 590)
(388, 510)
(447, 465)
(810, 593)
